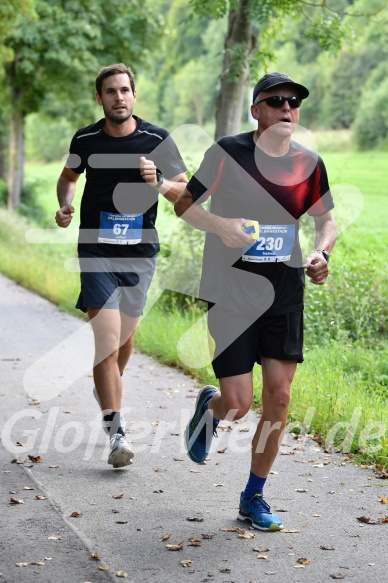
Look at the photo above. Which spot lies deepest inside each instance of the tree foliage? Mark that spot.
(59, 49)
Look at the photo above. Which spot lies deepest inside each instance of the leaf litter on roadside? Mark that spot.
(177, 547)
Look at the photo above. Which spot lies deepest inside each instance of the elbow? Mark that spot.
(179, 205)
(178, 208)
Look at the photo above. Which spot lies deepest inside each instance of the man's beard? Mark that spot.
(118, 119)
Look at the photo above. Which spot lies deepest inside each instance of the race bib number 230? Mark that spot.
(275, 244)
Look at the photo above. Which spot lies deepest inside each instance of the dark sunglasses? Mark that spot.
(277, 101)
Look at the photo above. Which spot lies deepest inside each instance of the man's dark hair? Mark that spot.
(115, 69)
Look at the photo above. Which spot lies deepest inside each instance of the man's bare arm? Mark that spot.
(229, 230)
(65, 193)
(325, 236)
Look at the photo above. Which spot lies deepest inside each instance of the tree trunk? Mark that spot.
(3, 147)
(240, 41)
(16, 159)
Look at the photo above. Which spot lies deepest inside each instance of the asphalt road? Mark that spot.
(74, 505)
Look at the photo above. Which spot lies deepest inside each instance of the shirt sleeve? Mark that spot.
(168, 159)
(206, 179)
(75, 160)
(321, 199)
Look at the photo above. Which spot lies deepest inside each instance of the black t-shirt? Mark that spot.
(244, 182)
(114, 187)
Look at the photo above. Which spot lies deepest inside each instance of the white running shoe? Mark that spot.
(120, 454)
(104, 426)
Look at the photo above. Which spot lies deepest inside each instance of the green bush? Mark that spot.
(3, 192)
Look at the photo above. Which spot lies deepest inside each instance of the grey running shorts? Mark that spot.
(120, 283)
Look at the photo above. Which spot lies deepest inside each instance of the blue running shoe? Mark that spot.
(259, 513)
(199, 433)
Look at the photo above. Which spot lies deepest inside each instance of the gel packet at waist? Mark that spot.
(252, 229)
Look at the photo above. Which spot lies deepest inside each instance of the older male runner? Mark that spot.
(255, 288)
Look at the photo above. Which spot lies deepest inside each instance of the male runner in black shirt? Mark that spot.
(128, 162)
(255, 289)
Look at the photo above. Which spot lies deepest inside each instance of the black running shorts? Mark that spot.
(239, 343)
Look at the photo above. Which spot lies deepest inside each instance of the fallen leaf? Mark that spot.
(103, 568)
(157, 491)
(28, 488)
(260, 549)
(195, 518)
(384, 500)
(303, 561)
(13, 491)
(367, 520)
(195, 542)
(96, 556)
(16, 501)
(301, 490)
(40, 497)
(327, 548)
(222, 450)
(244, 429)
(384, 520)
(121, 521)
(177, 547)
(36, 459)
(261, 557)
(122, 574)
(118, 496)
(31, 563)
(20, 444)
(207, 536)
(160, 470)
(270, 572)
(165, 537)
(337, 575)
(75, 514)
(225, 570)
(246, 534)
(187, 563)
(54, 466)
(290, 530)
(54, 538)
(218, 484)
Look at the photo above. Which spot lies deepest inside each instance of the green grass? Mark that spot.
(336, 379)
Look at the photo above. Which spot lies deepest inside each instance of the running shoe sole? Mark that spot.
(188, 439)
(121, 456)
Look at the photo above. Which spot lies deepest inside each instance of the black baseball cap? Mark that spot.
(273, 79)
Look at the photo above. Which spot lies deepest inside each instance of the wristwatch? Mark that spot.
(160, 179)
(325, 253)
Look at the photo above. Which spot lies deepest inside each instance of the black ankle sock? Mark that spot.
(110, 419)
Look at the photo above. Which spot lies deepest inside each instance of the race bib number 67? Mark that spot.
(275, 244)
(118, 229)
